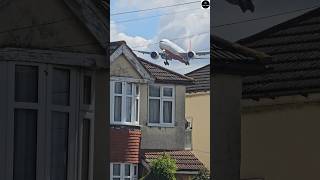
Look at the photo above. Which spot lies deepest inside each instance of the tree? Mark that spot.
(162, 168)
(203, 175)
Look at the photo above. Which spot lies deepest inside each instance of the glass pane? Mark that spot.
(127, 169)
(129, 109)
(154, 91)
(154, 111)
(87, 90)
(135, 171)
(167, 92)
(129, 88)
(126, 178)
(117, 108)
(137, 110)
(118, 87)
(116, 178)
(85, 149)
(26, 83)
(116, 169)
(167, 111)
(25, 144)
(59, 145)
(60, 86)
(137, 89)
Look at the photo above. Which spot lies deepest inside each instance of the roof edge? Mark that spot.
(241, 49)
(275, 28)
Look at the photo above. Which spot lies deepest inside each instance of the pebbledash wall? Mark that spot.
(280, 138)
(159, 137)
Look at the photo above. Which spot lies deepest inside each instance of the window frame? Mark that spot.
(134, 97)
(163, 98)
(44, 106)
(86, 113)
(122, 171)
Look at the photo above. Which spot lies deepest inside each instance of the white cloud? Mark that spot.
(132, 41)
(184, 24)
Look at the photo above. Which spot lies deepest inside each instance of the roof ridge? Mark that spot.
(277, 27)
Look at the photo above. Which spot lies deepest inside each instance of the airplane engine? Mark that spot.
(191, 54)
(154, 55)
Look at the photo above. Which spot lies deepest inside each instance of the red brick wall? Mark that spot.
(125, 145)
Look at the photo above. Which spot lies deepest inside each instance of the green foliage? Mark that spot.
(203, 175)
(163, 168)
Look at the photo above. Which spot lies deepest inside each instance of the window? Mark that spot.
(161, 105)
(87, 85)
(123, 171)
(25, 144)
(26, 83)
(85, 149)
(124, 103)
(59, 145)
(60, 86)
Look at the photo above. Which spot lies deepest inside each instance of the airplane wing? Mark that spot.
(161, 54)
(202, 53)
(143, 52)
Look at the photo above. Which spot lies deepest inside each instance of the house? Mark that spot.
(281, 108)
(231, 63)
(53, 73)
(147, 113)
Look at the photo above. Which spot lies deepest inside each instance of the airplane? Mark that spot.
(171, 51)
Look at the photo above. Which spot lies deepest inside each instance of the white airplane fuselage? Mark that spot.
(173, 50)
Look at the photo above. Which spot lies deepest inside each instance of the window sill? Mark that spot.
(124, 124)
(161, 125)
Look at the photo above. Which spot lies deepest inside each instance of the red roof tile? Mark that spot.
(185, 160)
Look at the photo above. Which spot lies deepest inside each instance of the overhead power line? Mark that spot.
(154, 8)
(148, 17)
(265, 17)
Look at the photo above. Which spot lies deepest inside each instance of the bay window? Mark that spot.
(124, 103)
(123, 171)
(161, 105)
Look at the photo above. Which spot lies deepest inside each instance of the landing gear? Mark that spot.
(187, 63)
(166, 63)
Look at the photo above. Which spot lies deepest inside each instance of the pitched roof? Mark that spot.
(294, 46)
(235, 58)
(185, 160)
(159, 73)
(115, 45)
(163, 75)
(226, 55)
(201, 78)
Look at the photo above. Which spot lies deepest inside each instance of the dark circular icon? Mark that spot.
(205, 4)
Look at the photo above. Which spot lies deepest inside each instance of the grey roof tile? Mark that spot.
(295, 49)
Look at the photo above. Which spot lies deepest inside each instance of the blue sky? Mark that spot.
(183, 21)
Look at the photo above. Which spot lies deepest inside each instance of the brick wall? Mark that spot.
(125, 145)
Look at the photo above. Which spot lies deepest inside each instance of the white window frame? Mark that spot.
(163, 98)
(122, 171)
(135, 97)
